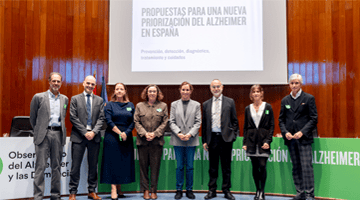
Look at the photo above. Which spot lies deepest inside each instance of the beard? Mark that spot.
(218, 93)
(55, 88)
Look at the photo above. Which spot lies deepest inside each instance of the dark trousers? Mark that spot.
(149, 156)
(50, 147)
(303, 173)
(259, 171)
(77, 154)
(219, 149)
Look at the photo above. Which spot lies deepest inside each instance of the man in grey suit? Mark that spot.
(87, 118)
(220, 129)
(47, 118)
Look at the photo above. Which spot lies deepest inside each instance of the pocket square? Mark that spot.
(302, 103)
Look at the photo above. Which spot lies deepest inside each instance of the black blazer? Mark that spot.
(302, 117)
(229, 121)
(258, 136)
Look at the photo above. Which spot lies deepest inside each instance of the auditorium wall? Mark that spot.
(72, 37)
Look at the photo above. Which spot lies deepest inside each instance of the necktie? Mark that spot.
(88, 109)
(216, 122)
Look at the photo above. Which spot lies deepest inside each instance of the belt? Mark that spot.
(216, 133)
(54, 128)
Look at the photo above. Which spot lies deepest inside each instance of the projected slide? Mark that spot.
(197, 35)
(171, 41)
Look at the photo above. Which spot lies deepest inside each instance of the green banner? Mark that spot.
(336, 168)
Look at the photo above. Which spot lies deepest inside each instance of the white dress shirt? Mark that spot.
(213, 107)
(256, 116)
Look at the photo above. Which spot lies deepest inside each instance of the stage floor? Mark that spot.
(167, 196)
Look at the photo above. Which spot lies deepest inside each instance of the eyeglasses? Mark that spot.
(216, 86)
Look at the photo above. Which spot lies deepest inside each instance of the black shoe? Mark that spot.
(310, 196)
(256, 197)
(261, 195)
(178, 194)
(190, 194)
(121, 196)
(299, 196)
(228, 195)
(210, 195)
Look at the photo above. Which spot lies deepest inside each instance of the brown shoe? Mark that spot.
(94, 196)
(72, 197)
(146, 194)
(153, 195)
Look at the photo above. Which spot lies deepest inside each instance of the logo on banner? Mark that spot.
(1, 165)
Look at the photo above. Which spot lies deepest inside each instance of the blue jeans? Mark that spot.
(184, 155)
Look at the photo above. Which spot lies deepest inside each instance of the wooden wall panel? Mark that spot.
(72, 37)
(323, 46)
(2, 50)
(38, 37)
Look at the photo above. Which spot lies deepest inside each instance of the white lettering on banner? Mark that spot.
(327, 157)
(206, 155)
(336, 158)
(350, 158)
(233, 153)
(197, 155)
(343, 158)
(278, 155)
(170, 153)
(238, 154)
(332, 157)
(356, 158)
(165, 152)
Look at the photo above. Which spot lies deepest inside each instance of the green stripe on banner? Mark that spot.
(336, 168)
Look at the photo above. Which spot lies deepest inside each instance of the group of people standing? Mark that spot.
(220, 128)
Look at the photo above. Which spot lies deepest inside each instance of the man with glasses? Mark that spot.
(220, 129)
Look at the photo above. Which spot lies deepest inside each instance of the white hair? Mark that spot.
(296, 76)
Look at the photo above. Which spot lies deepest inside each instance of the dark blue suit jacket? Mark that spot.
(302, 117)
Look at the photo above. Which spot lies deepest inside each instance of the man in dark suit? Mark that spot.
(297, 119)
(47, 118)
(220, 128)
(87, 118)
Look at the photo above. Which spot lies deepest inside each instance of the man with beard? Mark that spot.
(220, 128)
(47, 118)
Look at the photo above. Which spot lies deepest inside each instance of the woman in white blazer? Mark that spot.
(185, 120)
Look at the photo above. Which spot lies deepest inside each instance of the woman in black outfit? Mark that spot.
(258, 132)
(118, 165)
